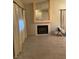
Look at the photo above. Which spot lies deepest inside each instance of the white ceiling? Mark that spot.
(30, 1)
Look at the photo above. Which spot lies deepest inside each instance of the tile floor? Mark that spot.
(44, 47)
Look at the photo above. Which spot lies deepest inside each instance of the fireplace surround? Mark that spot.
(42, 29)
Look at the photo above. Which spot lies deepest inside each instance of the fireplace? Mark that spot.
(42, 29)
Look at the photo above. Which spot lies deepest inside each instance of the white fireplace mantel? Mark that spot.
(36, 24)
(42, 21)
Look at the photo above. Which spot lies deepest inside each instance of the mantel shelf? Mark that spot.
(46, 21)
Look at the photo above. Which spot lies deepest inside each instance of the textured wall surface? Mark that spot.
(55, 6)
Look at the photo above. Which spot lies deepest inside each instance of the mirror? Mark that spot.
(41, 10)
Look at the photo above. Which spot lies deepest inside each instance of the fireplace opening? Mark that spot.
(42, 29)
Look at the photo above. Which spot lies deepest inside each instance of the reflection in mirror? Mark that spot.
(41, 10)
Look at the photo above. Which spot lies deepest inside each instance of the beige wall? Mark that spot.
(29, 20)
(42, 6)
(55, 6)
